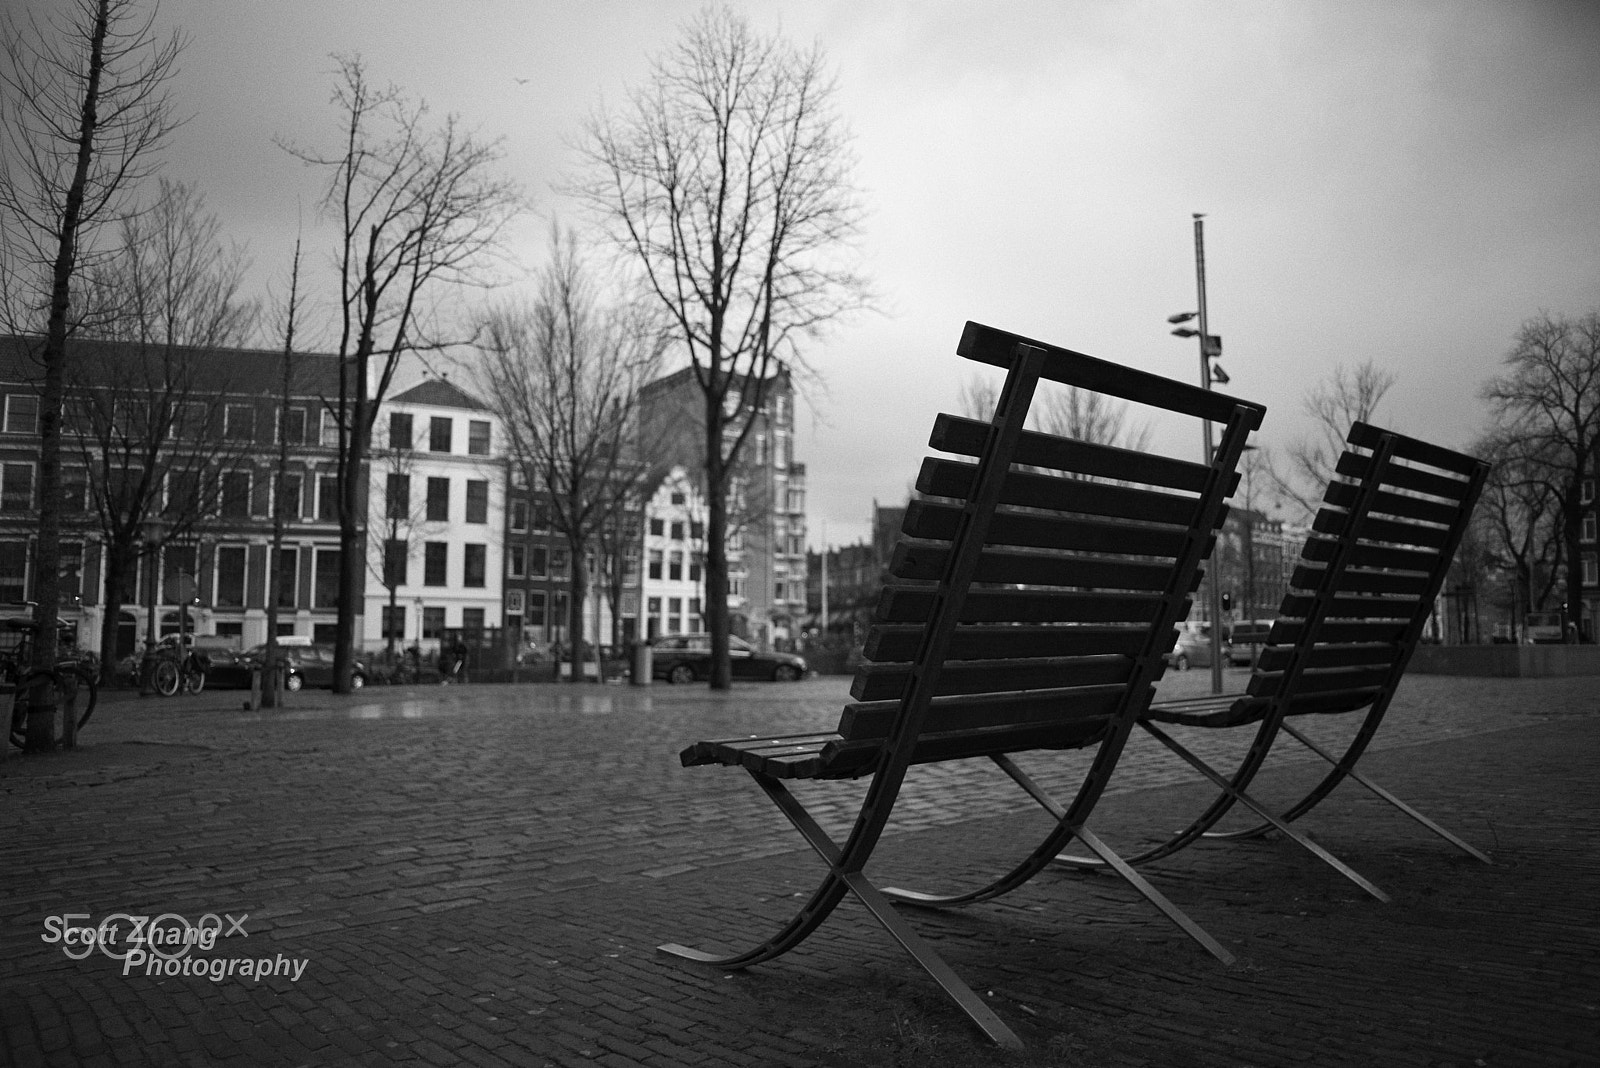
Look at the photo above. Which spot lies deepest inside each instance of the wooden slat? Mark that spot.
(844, 759)
(1369, 437)
(1288, 632)
(1331, 522)
(1391, 557)
(1354, 465)
(1276, 658)
(1353, 607)
(954, 478)
(933, 520)
(1344, 495)
(1340, 701)
(879, 682)
(899, 642)
(1358, 580)
(1270, 684)
(912, 604)
(955, 434)
(872, 719)
(985, 344)
(928, 560)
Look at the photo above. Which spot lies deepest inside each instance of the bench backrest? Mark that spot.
(1038, 580)
(1377, 555)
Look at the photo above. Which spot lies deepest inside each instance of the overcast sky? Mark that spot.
(1394, 179)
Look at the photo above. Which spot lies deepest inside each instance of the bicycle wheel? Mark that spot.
(165, 677)
(88, 689)
(31, 683)
(194, 680)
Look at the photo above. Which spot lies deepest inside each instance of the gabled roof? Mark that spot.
(439, 393)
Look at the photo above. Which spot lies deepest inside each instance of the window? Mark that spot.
(16, 488)
(293, 488)
(678, 497)
(292, 426)
(538, 562)
(394, 621)
(397, 497)
(517, 561)
(288, 578)
(230, 576)
(674, 615)
(22, 413)
(477, 501)
(675, 566)
(330, 429)
(536, 608)
(658, 527)
(559, 564)
(478, 437)
(696, 623)
(239, 423)
(696, 564)
(438, 500)
(472, 621)
(677, 530)
(1589, 527)
(1586, 491)
(514, 601)
(236, 494)
(1591, 569)
(395, 559)
(74, 488)
(697, 530)
(71, 571)
(630, 564)
(474, 566)
(656, 557)
(653, 615)
(178, 571)
(519, 515)
(13, 571)
(432, 622)
(325, 591)
(183, 493)
(541, 516)
(400, 433)
(438, 434)
(435, 558)
(328, 497)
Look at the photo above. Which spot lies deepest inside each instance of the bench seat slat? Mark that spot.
(912, 604)
(935, 521)
(872, 719)
(966, 437)
(1275, 658)
(1367, 436)
(1388, 557)
(1269, 683)
(1297, 605)
(928, 560)
(1373, 529)
(901, 642)
(1360, 580)
(955, 478)
(1288, 631)
(1354, 465)
(884, 681)
(1345, 495)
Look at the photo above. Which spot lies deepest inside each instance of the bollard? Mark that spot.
(254, 704)
(643, 656)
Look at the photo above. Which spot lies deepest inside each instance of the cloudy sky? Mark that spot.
(1400, 180)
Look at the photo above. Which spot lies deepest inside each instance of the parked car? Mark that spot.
(681, 658)
(1249, 635)
(1193, 647)
(307, 665)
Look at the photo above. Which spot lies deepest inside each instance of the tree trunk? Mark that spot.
(716, 606)
(577, 584)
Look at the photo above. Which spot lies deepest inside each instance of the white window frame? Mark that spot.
(33, 483)
(9, 429)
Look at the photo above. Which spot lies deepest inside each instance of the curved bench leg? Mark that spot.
(826, 898)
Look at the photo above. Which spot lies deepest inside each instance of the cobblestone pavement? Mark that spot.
(479, 875)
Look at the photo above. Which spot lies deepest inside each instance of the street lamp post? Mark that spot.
(1210, 348)
(154, 532)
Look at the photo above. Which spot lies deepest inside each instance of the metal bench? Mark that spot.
(1033, 595)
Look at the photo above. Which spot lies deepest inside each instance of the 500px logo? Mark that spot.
(120, 934)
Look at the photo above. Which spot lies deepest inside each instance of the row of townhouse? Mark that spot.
(457, 541)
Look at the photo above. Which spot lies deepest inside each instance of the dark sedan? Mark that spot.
(308, 665)
(681, 658)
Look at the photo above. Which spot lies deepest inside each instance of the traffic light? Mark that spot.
(1227, 602)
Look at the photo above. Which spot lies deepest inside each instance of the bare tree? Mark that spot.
(271, 697)
(564, 375)
(1549, 399)
(420, 212)
(84, 108)
(144, 424)
(1520, 512)
(1334, 405)
(727, 182)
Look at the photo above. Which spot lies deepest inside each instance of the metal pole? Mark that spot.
(1212, 578)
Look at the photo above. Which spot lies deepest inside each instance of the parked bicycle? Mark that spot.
(165, 671)
(74, 680)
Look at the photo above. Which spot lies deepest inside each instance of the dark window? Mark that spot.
(400, 438)
(519, 515)
(326, 592)
(474, 571)
(327, 497)
(477, 501)
(438, 500)
(236, 494)
(432, 622)
(541, 516)
(16, 488)
(22, 413)
(677, 530)
(74, 488)
(292, 426)
(230, 576)
(183, 493)
(697, 530)
(655, 563)
(239, 423)
(559, 563)
(658, 527)
(178, 573)
(478, 437)
(538, 561)
(472, 621)
(394, 621)
(535, 608)
(394, 562)
(438, 434)
(71, 570)
(397, 497)
(13, 571)
(293, 485)
(435, 558)
(288, 578)
(517, 560)
(675, 567)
